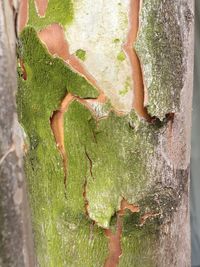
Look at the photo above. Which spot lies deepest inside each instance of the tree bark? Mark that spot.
(16, 246)
(105, 92)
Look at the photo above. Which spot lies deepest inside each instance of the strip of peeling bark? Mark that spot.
(137, 76)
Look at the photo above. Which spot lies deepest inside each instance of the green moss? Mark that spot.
(81, 54)
(121, 56)
(107, 159)
(62, 232)
(116, 41)
(159, 46)
(50, 74)
(117, 155)
(139, 244)
(127, 87)
(58, 11)
(114, 147)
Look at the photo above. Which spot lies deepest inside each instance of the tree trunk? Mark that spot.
(104, 99)
(16, 245)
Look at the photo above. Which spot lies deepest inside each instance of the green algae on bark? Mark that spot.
(108, 159)
(117, 154)
(58, 11)
(50, 74)
(115, 145)
(81, 54)
(160, 49)
(138, 243)
(126, 87)
(61, 234)
(121, 56)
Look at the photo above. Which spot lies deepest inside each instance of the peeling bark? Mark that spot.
(123, 152)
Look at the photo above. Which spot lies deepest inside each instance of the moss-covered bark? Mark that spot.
(111, 157)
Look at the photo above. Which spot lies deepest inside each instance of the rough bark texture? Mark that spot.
(107, 175)
(16, 246)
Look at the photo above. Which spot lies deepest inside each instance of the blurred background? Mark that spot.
(195, 155)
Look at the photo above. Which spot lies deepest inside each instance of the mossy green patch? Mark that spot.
(127, 87)
(160, 48)
(81, 54)
(138, 243)
(62, 232)
(116, 40)
(58, 11)
(50, 74)
(107, 160)
(116, 153)
(121, 56)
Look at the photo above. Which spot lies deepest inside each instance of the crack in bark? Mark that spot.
(137, 75)
(115, 250)
(57, 126)
(86, 203)
(24, 73)
(147, 216)
(90, 162)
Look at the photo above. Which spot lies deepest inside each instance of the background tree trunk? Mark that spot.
(104, 98)
(16, 246)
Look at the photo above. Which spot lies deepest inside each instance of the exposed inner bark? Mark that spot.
(53, 37)
(41, 7)
(137, 76)
(115, 250)
(23, 15)
(24, 73)
(57, 127)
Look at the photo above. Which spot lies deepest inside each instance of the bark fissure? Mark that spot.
(23, 69)
(115, 250)
(90, 163)
(137, 75)
(57, 126)
(86, 203)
